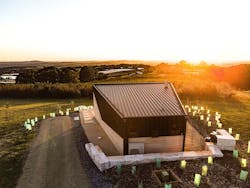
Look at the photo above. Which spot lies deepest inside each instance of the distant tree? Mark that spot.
(203, 64)
(69, 75)
(101, 76)
(28, 76)
(48, 74)
(183, 64)
(87, 74)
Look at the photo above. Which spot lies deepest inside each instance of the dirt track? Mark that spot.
(53, 160)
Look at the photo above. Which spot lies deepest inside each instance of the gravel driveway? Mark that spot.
(54, 160)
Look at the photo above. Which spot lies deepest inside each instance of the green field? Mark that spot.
(235, 112)
(15, 111)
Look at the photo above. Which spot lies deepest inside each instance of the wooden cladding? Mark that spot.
(193, 140)
(161, 144)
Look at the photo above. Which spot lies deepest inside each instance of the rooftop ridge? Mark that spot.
(127, 83)
(176, 95)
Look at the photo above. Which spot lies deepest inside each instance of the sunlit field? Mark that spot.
(15, 111)
(235, 112)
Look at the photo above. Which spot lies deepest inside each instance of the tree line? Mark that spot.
(57, 75)
(56, 82)
(69, 74)
(46, 90)
(72, 82)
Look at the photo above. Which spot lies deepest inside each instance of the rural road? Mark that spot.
(53, 160)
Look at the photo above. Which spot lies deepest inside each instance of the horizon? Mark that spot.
(162, 31)
(145, 62)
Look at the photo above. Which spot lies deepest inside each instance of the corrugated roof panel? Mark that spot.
(142, 100)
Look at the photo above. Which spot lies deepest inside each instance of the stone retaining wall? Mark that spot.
(104, 162)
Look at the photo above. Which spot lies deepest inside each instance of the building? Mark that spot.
(8, 78)
(141, 117)
(117, 72)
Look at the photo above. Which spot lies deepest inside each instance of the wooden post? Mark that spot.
(125, 137)
(184, 135)
(125, 146)
(183, 144)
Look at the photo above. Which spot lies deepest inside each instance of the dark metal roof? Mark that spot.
(142, 99)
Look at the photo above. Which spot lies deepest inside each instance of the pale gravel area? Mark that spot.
(97, 178)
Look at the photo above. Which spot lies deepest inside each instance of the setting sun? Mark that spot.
(213, 31)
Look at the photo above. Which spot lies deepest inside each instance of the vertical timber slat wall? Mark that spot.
(193, 140)
(162, 144)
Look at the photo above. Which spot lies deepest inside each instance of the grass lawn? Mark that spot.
(14, 139)
(235, 112)
(16, 111)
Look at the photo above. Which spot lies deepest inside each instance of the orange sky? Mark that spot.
(194, 30)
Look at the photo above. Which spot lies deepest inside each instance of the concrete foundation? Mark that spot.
(225, 141)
